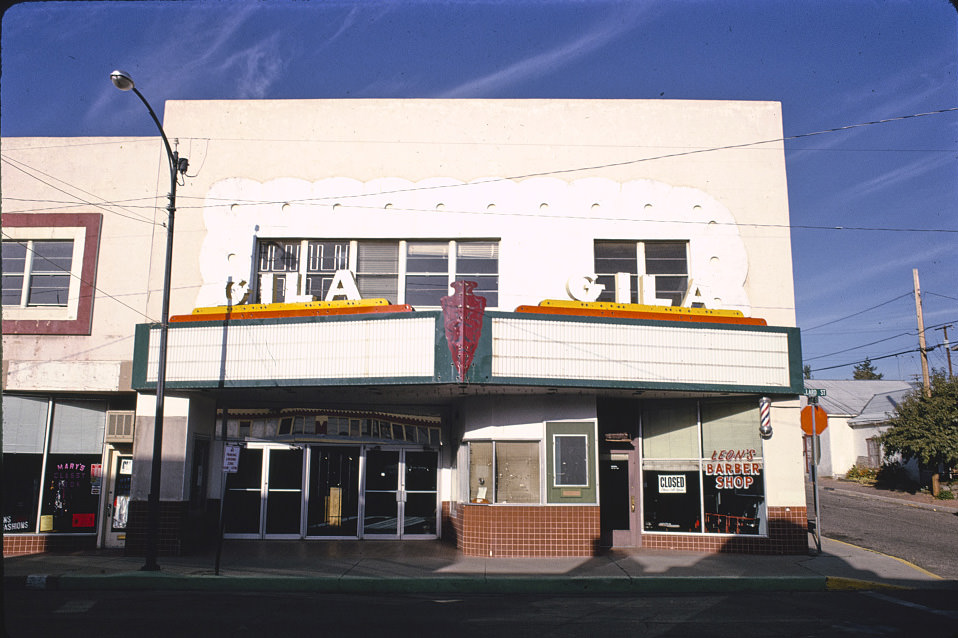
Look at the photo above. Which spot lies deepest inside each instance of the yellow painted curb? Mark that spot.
(836, 583)
(900, 560)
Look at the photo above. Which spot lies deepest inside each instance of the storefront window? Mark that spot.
(702, 468)
(571, 460)
(67, 490)
(504, 472)
(733, 468)
(71, 491)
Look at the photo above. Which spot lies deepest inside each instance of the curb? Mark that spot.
(448, 584)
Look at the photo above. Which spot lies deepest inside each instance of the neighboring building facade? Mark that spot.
(858, 410)
(508, 427)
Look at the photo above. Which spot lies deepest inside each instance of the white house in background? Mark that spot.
(857, 413)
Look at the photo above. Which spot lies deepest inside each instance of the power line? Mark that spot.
(855, 314)
(14, 164)
(611, 165)
(864, 345)
(887, 356)
(91, 284)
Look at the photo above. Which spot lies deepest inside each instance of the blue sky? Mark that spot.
(891, 186)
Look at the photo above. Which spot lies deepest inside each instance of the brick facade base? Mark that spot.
(169, 540)
(787, 534)
(22, 544)
(533, 531)
(524, 531)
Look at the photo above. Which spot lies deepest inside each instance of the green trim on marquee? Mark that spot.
(480, 372)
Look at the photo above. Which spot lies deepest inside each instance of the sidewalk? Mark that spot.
(430, 566)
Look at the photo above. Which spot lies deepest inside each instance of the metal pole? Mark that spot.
(947, 348)
(818, 514)
(153, 500)
(921, 337)
(223, 476)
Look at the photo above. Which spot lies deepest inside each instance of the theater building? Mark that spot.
(525, 327)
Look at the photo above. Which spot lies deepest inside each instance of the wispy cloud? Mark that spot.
(876, 274)
(549, 61)
(889, 179)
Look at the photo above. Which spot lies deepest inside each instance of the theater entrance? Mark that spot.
(332, 491)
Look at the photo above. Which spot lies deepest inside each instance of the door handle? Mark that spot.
(633, 503)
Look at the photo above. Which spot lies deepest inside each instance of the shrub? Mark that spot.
(945, 495)
(894, 476)
(862, 474)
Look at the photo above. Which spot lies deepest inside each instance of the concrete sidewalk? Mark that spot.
(430, 566)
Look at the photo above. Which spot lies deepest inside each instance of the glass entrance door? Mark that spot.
(264, 498)
(284, 493)
(381, 511)
(419, 487)
(398, 497)
(242, 505)
(333, 498)
(400, 493)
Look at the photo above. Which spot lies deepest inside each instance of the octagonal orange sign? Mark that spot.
(821, 419)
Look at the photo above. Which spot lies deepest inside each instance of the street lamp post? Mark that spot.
(123, 81)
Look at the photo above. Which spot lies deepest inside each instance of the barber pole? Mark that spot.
(765, 415)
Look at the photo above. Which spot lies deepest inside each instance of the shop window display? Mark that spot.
(504, 472)
(67, 490)
(702, 469)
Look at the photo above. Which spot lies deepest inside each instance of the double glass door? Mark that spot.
(264, 497)
(400, 493)
(333, 492)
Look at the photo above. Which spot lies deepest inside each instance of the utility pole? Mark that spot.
(926, 381)
(947, 347)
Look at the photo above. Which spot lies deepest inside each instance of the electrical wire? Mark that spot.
(855, 314)
(133, 216)
(603, 166)
(92, 285)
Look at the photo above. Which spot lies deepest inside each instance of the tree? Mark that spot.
(865, 370)
(807, 371)
(926, 428)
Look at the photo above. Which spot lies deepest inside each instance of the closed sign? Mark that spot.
(671, 484)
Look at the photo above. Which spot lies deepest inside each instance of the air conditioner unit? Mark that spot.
(119, 426)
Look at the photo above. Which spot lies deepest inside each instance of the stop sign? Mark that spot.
(821, 419)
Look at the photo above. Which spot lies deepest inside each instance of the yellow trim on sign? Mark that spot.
(303, 305)
(635, 307)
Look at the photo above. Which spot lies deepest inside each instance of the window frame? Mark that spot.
(556, 458)
(639, 268)
(76, 317)
(493, 486)
(401, 275)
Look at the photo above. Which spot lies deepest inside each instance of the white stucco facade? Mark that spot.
(541, 180)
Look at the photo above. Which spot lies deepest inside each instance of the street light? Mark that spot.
(123, 81)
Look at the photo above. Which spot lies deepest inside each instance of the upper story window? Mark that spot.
(49, 268)
(665, 261)
(36, 272)
(404, 272)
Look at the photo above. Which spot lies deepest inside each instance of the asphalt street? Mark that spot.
(782, 614)
(924, 537)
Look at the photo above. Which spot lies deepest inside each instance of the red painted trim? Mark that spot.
(82, 325)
